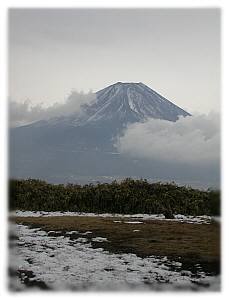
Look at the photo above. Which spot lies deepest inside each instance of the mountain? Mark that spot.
(132, 102)
(124, 103)
(82, 145)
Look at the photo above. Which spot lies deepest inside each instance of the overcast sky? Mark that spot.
(174, 51)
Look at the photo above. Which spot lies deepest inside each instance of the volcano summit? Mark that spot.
(129, 103)
(121, 104)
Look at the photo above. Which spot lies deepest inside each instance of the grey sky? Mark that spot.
(174, 51)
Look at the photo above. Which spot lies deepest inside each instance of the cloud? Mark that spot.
(191, 141)
(25, 113)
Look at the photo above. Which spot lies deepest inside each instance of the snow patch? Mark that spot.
(204, 219)
(63, 264)
(133, 222)
(99, 239)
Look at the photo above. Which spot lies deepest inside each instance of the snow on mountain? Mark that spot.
(121, 104)
(128, 103)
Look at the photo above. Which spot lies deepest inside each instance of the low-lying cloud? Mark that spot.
(192, 140)
(26, 113)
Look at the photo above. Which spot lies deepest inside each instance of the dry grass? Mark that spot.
(190, 243)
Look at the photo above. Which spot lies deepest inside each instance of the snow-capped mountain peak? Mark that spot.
(117, 105)
(130, 102)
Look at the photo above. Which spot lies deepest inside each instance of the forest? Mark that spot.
(126, 197)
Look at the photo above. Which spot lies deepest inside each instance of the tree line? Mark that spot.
(126, 197)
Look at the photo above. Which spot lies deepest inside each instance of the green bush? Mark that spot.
(127, 197)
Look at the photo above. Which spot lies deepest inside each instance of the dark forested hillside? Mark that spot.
(126, 197)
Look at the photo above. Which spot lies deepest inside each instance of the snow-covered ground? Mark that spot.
(39, 259)
(179, 218)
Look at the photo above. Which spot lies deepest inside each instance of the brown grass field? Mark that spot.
(184, 242)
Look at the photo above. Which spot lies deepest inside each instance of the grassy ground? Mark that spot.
(187, 243)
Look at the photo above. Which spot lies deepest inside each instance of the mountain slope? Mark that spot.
(122, 103)
(132, 102)
(83, 144)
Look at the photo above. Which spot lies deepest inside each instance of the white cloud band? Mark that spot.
(25, 113)
(191, 140)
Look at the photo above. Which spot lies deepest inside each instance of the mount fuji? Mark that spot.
(124, 103)
(80, 146)
(129, 103)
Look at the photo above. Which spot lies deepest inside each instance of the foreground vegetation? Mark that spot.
(126, 197)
